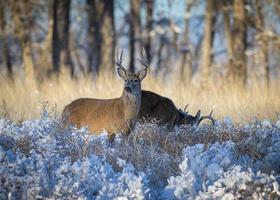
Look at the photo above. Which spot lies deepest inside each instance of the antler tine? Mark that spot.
(119, 61)
(207, 117)
(143, 60)
(186, 107)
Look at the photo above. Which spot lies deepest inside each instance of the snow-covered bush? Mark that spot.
(55, 165)
(217, 172)
(40, 159)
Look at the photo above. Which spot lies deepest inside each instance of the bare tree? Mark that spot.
(101, 36)
(3, 36)
(149, 27)
(94, 36)
(239, 70)
(22, 19)
(226, 7)
(160, 61)
(61, 53)
(186, 66)
(108, 36)
(45, 60)
(207, 42)
(262, 40)
(134, 31)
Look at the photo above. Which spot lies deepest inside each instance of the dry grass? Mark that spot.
(153, 148)
(20, 100)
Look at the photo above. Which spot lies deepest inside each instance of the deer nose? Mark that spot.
(128, 88)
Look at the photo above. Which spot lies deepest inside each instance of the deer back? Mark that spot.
(96, 114)
(164, 111)
(154, 106)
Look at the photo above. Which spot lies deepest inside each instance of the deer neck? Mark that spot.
(132, 103)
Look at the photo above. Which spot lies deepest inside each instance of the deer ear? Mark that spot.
(142, 73)
(122, 73)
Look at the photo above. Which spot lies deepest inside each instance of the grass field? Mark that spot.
(226, 160)
(21, 100)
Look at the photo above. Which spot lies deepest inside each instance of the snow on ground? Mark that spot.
(40, 160)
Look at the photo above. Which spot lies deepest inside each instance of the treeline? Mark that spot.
(231, 39)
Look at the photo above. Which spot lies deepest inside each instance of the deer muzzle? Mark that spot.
(128, 89)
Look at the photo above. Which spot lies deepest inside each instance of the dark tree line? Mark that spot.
(61, 35)
(101, 35)
(45, 43)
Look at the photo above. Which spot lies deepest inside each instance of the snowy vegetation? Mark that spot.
(39, 159)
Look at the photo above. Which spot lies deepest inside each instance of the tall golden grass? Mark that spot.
(21, 100)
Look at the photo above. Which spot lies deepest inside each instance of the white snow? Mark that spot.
(38, 159)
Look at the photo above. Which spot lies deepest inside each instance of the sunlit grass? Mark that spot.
(20, 100)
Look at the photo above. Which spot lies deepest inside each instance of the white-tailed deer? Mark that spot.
(163, 110)
(113, 115)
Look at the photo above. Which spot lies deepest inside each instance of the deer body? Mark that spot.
(156, 107)
(162, 109)
(113, 115)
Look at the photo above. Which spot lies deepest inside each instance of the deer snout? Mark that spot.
(128, 88)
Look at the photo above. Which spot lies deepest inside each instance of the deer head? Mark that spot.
(132, 81)
(195, 120)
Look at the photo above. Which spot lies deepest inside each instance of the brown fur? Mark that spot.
(113, 115)
(162, 109)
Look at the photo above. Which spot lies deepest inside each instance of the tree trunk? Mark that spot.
(3, 36)
(262, 42)
(23, 21)
(207, 42)
(228, 32)
(108, 36)
(134, 31)
(101, 36)
(149, 27)
(186, 66)
(61, 52)
(239, 70)
(44, 60)
(24, 15)
(228, 36)
(94, 36)
(27, 61)
(160, 56)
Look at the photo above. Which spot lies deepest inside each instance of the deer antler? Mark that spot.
(186, 108)
(207, 117)
(144, 60)
(120, 59)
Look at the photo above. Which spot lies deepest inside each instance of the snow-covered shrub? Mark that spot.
(229, 169)
(37, 160)
(217, 171)
(40, 159)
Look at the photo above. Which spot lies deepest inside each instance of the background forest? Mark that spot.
(220, 55)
